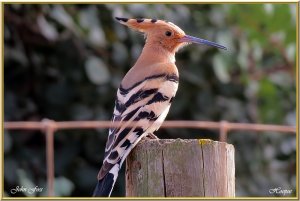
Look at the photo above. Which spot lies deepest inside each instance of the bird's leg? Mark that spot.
(152, 136)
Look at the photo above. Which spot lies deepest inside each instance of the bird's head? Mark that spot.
(164, 34)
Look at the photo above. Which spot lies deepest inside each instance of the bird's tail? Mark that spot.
(105, 185)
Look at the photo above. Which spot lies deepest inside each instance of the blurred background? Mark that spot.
(65, 62)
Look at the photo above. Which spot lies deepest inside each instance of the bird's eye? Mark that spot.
(168, 33)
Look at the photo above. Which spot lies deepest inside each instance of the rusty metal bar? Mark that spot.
(223, 131)
(49, 129)
(261, 127)
(23, 125)
(66, 125)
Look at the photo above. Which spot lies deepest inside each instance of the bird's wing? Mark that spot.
(147, 103)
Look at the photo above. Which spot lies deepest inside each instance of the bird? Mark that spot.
(145, 94)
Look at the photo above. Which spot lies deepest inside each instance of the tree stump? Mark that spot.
(181, 168)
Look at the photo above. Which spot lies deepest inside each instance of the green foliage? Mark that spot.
(65, 62)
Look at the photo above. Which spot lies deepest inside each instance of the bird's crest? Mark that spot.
(142, 24)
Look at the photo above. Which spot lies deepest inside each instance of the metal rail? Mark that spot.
(49, 127)
(64, 125)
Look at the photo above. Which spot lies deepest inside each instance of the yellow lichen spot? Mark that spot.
(204, 141)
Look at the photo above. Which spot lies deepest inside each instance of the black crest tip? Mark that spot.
(121, 19)
(139, 20)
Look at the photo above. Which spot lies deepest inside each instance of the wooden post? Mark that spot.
(180, 168)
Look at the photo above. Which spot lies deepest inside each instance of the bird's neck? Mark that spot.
(153, 60)
(153, 54)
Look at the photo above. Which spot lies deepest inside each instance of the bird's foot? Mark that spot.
(152, 136)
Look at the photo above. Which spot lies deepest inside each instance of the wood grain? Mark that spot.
(181, 168)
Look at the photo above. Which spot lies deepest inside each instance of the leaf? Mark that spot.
(220, 69)
(26, 182)
(97, 70)
(269, 107)
(61, 16)
(88, 19)
(257, 51)
(47, 29)
(282, 79)
(16, 54)
(251, 89)
(288, 145)
(63, 186)
(226, 38)
(242, 57)
(97, 36)
(291, 52)
(269, 8)
(290, 118)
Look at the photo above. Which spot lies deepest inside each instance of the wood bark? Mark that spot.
(181, 168)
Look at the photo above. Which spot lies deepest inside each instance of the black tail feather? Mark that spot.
(104, 186)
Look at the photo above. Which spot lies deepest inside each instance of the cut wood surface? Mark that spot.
(181, 168)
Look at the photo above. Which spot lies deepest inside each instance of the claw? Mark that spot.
(152, 136)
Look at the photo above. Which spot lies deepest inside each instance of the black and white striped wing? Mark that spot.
(147, 103)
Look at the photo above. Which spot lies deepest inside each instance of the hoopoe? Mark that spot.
(145, 94)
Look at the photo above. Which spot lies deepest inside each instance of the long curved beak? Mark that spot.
(192, 39)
